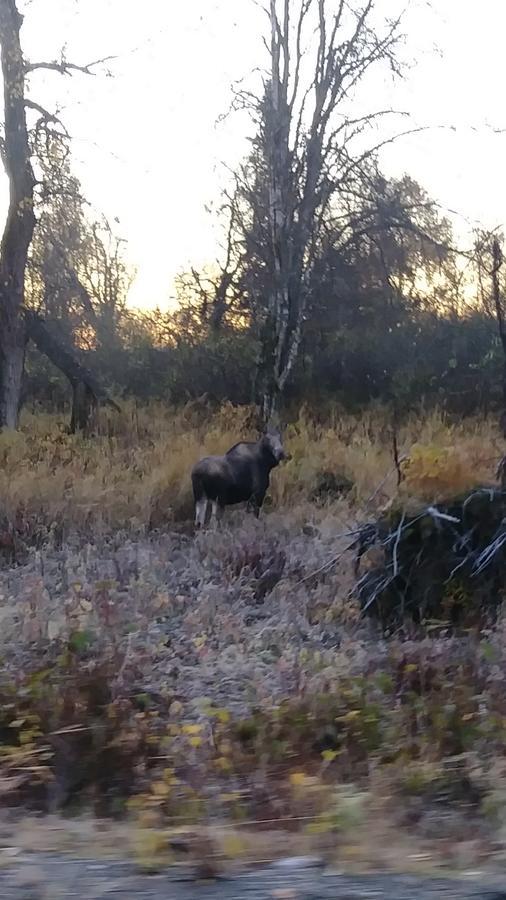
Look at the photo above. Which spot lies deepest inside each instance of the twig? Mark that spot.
(397, 462)
(376, 491)
(381, 585)
(396, 545)
(501, 472)
(456, 569)
(126, 656)
(432, 511)
(488, 553)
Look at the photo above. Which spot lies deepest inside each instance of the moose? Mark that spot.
(241, 475)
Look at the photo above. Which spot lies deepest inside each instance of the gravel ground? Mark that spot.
(49, 877)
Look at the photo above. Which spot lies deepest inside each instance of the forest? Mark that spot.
(328, 678)
(332, 284)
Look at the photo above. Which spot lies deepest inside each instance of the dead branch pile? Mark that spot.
(444, 564)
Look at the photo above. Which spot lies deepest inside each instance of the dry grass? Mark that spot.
(135, 474)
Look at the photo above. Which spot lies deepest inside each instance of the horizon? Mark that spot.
(151, 152)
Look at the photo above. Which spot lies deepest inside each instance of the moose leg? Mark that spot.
(200, 512)
(255, 504)
(214, 513)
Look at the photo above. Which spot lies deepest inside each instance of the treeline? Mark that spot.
(403, 354)
(395, 312)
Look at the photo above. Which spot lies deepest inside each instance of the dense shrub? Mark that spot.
(454, 362)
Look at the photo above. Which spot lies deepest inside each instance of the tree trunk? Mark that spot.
(20, 218)
(12, 358)
(498, 260)
(86, 391)
(84, 409)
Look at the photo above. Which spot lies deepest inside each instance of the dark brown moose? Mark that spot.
(241, 475)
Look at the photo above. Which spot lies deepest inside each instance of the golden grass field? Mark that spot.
(135, 473)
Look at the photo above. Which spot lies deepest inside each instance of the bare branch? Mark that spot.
(306, 5)
(45, 115)
(67, 68)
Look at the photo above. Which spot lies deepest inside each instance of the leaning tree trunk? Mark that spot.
(87, 392)
(20, 218)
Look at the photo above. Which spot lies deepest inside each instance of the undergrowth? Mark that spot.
(135, 473)
(229, 678)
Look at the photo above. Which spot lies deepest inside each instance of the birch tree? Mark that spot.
(320, 51)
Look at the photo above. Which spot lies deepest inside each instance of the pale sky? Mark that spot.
(147, 147)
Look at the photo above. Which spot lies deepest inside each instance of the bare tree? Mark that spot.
(319, 52)
(19, 228)
(214, 291)
(104, 278)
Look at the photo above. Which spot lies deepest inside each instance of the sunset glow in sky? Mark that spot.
(148, 148)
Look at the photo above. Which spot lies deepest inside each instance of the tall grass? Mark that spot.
(135, 473)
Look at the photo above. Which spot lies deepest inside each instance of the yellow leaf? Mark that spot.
(318, 826)
(229, 797)
(196, 741)
(160, 789)
(297, 779)
(329, 755)
(150, 849)
(233, 846)
(192, 729)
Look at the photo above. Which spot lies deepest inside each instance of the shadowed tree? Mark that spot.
(20, 217)
(15, 327)
(489, 260)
